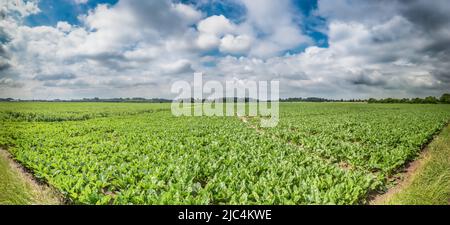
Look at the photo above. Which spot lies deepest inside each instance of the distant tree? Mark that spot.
(430, 100)
(445, 98)
(404, 100)
(417, 100)
(372, 100)
(390, 100)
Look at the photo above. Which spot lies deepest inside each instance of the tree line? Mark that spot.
(444, 99)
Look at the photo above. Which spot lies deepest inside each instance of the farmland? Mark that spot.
(131, 153)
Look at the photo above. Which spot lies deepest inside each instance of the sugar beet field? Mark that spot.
(137, 153)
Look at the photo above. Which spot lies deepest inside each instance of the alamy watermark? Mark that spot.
(237, 98)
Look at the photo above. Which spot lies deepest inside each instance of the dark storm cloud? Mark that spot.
(295, 76)
(423, 40)
(156, 16)
(368, 78)
(439, 48)
(4, 55)
(389, 47)
(108, 59)
(6, 82)
(365, 80)
(62, 76)
(4, 37)
(2, 14)
(433, 19)
(3, 52)
(429, 15)
(129, 84)
(443, 75)
(114, 61)
(67, 84)
(4, 66)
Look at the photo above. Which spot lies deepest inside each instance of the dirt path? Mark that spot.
(403, 179)
(36, 193)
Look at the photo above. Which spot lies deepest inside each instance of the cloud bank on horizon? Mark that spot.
(138, 48)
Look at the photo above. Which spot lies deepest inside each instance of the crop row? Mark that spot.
(160, 159)
(141, 154)
(378, 138)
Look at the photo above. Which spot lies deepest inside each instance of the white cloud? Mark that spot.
(19, 8)
(277, 24)
(188, 13)
(180, 66)
(137, 48)
(235, 44)
(216, 25)
(269, 29)
(207, 41)
(64, 26)
(81, 1)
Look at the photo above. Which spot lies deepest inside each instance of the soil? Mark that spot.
(42, 192)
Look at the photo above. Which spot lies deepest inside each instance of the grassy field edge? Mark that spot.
(427, 179)
(17, 187)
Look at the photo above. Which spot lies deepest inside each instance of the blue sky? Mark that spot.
(136, 48)
(68, 10)
(62, 10)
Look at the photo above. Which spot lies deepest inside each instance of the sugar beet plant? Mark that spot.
(377, 138)
(141, 154)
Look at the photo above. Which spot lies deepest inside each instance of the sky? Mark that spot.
(72, 49)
